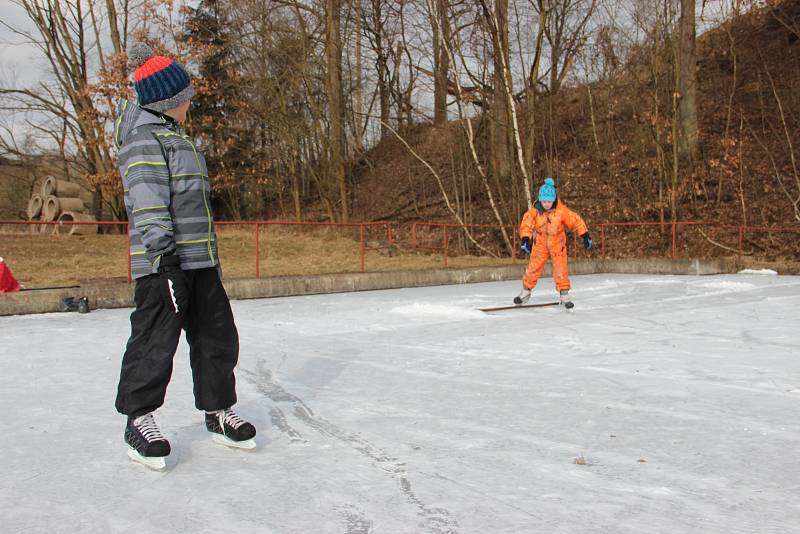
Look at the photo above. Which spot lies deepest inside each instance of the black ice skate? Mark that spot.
(230, 430)
(523, 297)
(148, 446)
(564, 299)
(80, 305)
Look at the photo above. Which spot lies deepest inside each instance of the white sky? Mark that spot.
(16, 58)
(22, 65)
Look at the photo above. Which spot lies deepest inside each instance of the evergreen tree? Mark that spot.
(216, 113)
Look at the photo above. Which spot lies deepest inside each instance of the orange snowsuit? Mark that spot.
(546, 230)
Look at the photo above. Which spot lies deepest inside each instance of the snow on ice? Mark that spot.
(660, 405)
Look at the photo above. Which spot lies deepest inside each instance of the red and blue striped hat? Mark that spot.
(161, 83)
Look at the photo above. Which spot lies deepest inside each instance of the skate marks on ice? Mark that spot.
(436, 520)
(355, 522)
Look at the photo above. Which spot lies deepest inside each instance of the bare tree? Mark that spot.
(687, 82)
(71, 35)
(376, 25)
(565, 32)
(441, 62)
(333, 53)
(500, 160)
(532, 83)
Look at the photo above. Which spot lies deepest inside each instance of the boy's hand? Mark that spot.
(525, 247)
(587, 241)
(170, 268)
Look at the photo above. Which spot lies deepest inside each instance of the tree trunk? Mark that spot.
(530, 99)
(499, 147)
(687, 82)
(359, 113)
(333, 49)
(441, 61)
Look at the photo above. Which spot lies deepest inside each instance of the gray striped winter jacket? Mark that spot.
(166, 187)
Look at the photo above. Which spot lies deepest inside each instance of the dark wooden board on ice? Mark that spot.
(517, 306)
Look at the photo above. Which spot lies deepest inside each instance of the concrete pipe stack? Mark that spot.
(59, 200)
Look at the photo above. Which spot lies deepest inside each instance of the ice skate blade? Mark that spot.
(247, 445)
(156, 463)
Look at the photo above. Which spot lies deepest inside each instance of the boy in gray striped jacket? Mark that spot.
(173, 250)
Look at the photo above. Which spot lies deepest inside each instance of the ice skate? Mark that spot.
(147, 445)
(563, 299)
(230, 430)
(156, 463)
(523, 297)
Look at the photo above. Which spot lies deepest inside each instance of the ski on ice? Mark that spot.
(516, 306)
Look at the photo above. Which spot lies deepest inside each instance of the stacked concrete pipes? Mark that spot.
(59, 200)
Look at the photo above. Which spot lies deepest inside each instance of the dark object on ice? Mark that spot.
(229, 424)
(143, 435)
(80, 305)
(519, 306)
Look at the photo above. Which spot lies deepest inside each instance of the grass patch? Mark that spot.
(39, 260)
(52, 260)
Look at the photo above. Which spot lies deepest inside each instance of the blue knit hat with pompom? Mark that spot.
(547, 193)
(161, 84)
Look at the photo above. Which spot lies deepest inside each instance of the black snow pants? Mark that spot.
(155, 333)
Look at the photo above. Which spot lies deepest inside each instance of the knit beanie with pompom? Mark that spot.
(547, 193)
(161, 84)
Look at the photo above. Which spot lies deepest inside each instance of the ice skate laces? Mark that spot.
(230, 418)
(146, 424)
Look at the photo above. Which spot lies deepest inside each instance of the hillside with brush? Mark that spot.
(609, 145)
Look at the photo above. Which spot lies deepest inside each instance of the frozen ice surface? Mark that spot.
(409, 411)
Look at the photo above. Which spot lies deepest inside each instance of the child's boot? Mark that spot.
(523, 297)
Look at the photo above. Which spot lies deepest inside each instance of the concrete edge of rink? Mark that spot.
(120, 295)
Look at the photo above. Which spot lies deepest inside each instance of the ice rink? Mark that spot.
(409, 411)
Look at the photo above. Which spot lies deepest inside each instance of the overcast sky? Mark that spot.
(23, 64)
(18, 60)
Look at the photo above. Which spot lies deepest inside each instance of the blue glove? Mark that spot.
(587, 241)
(525, 247)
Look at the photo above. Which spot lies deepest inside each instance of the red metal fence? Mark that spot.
(446, 233)
(611, 239)
(725, 238)
(616, 239)
(360, 226)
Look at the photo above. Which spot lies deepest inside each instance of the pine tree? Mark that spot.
(218, 104)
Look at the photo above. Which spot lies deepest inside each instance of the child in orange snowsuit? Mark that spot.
(543, 236)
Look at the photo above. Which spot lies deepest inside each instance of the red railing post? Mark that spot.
(414, 235)
(445, 246)
(361, 244)
(258, 251)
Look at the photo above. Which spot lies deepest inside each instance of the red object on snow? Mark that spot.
(8, 284)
